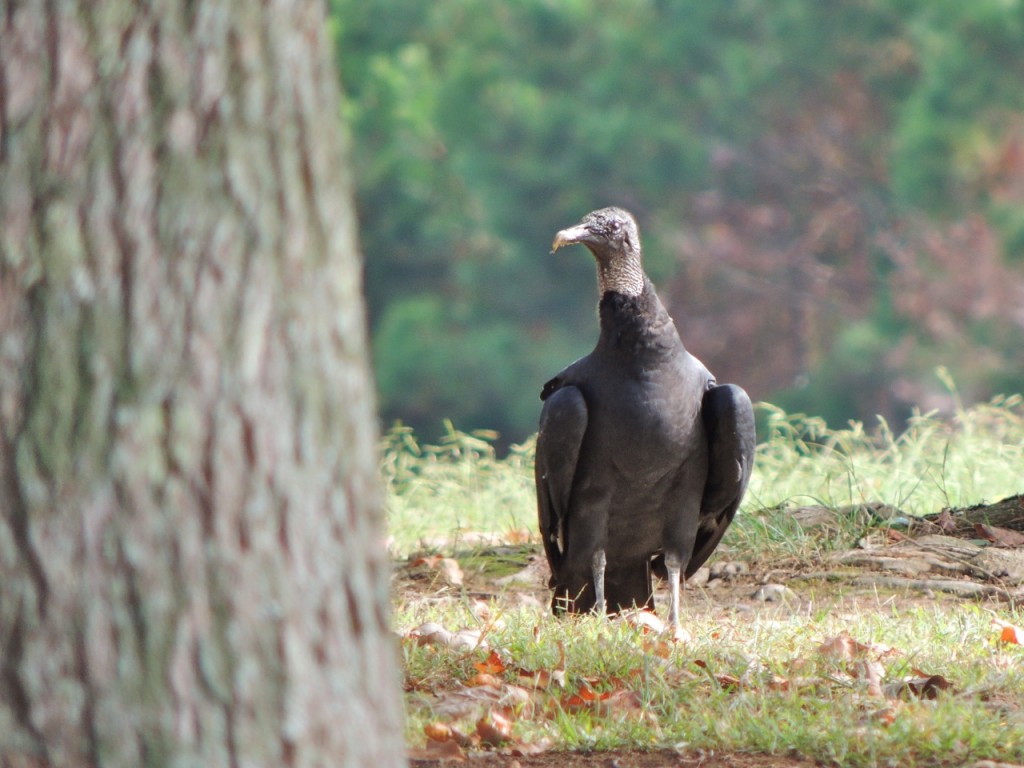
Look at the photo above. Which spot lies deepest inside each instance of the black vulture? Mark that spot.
(642, 459)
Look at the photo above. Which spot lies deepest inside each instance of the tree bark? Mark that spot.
(192, 568)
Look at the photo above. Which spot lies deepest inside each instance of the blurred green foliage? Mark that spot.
(481, 128)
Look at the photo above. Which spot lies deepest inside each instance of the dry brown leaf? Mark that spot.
(492, 665)
(528, 750)
(589, 694)
(730, 683)
(518, 536)
(481, 610)
(777, 683)
(438, 750)
(542, 679)
(924, 687)
(1001, 537)
(846, 648)
(843, 647)
(430, 561)
(659, 648)
(623, 704)
(646, 621)
(872, 672)
(1009, 633)
(585, 698)
(494, 729)
(450, 571)
(465, 740)
(886, 715)
(438, 731)
(517, 702)
(946, 522)
(484, 680)
(430, 633)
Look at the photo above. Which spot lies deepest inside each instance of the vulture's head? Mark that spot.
(612, 236)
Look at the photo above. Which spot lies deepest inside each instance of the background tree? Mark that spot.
(797, 170)
(191, 555)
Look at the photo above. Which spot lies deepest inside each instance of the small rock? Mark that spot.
(771, 593)
(735, 569)
(700, 578)
(717, 570)
(727, 570)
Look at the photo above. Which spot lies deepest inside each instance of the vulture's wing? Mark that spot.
(563, 420)
(729, 425)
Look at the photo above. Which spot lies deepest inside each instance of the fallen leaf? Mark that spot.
(465, 740)
(845, 648)
(917, 687)
(542, 678)
(872, 672)
(484, 680)
(777, 683)
(438, 750)
(438, 731)
(430, 561)
(646, 621)
(518, 536)
(430, 633)
(842, 647)
(481, 610)
(492, 665)
(494, 729)
(1009, 633)
(624, 704)
(1001, 537)
(728, 682)
(659, 648)
(450, 571)
(516, 702)
(574, 703)
(589, 694)
(946, 522)
(528, 750)
(886, 715)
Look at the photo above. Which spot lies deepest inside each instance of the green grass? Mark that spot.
(443, 496)
(440, 493)
(825, 714)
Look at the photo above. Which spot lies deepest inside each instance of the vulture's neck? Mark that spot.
(637, 324)
(622, 275)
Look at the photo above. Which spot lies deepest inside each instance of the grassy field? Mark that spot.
(843, 676)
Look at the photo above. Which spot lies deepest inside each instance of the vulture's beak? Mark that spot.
(570, 236)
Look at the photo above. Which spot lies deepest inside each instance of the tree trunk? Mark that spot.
(191, 561)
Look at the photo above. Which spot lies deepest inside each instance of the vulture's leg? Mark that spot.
(674, 568)
(597, 566)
